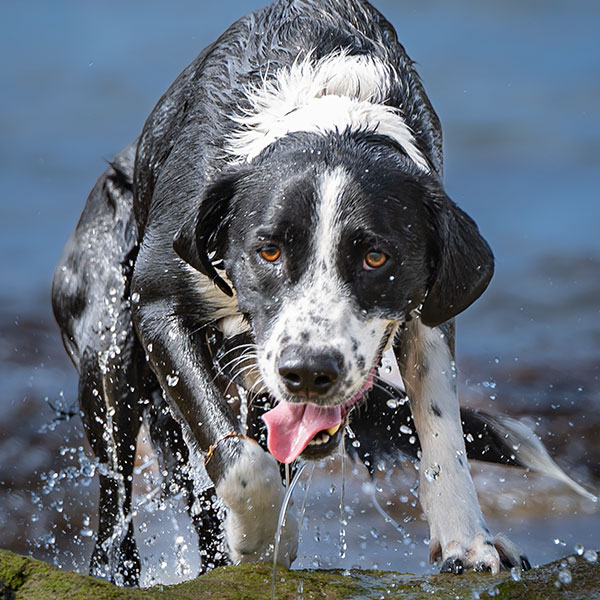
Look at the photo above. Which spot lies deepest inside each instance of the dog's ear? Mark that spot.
(201, 241)
(464, 265)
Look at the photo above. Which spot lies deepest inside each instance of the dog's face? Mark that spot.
(331, 245)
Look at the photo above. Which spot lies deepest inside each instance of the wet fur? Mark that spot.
(163, 300)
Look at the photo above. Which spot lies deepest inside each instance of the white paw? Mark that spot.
(253, 493)
(484, 554)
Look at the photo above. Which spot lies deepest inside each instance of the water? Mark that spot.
(281, 521)
(516, 86)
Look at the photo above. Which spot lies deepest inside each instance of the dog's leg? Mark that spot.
(245, 476)
(111, 421)
(90, 298)
(174, 458)
(458, 532)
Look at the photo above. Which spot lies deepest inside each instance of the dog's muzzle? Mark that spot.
(309, 375)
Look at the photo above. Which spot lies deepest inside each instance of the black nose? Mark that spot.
(305, 373)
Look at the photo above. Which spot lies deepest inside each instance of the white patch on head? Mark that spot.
(333, 94)
(321, 314)
(327, 235)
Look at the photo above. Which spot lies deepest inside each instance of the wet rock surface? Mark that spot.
(573, 577)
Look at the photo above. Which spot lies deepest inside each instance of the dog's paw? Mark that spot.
(483, 554)
(253, 493)
(251, 544)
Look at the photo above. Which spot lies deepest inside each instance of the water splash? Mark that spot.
(343, 521)
(281, 522)
(303, 507)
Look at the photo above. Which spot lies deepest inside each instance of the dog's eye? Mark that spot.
(374, 259)
(270, 253)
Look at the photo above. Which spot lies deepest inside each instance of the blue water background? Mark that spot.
(517, 87)
(516, 84)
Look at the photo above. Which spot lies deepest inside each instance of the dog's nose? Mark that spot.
(308, 374)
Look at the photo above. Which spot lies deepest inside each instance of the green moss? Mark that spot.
(23, 578)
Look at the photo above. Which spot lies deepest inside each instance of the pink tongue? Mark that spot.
(291, 426)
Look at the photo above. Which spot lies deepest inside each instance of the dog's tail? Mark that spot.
(384, 427)
(502, 439)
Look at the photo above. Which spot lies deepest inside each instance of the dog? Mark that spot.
(278, 226)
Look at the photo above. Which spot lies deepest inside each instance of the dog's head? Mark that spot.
(331, 244)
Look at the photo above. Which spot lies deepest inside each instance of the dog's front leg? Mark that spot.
(245, 476)
(458, 532)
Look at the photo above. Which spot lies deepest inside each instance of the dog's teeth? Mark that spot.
(323, 438)
(333, 430)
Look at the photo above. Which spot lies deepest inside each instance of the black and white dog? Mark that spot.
(280, 224)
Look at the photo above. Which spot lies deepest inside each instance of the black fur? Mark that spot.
(133, 315)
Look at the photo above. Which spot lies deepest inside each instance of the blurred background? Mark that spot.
(517, 87)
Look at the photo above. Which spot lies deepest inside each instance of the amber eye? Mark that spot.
(270, 253)
(374, 259)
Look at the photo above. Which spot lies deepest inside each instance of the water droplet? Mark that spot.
(406, 429)
(515, 573)
(469, 437)
(433, 472)
(591, 555)
(135, 297)
(579, 549)
(172, 380)
(392, 403)
(565, 576)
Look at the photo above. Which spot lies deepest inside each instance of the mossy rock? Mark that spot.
(23, 578)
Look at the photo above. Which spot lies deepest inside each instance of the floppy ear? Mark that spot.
(464, 267)
(201, 241)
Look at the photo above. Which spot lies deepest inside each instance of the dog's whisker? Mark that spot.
(255, 386)
(238, 360)
(246, 369)
(235, 349)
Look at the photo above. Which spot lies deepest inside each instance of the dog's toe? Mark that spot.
(454, 565)
(510, 555)
(481, 556)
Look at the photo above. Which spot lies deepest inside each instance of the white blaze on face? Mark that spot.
(320, 313)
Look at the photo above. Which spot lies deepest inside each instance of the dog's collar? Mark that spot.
(231, 434)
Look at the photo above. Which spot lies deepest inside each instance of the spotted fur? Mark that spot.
(304, 128)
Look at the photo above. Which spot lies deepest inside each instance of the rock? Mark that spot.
(23, 578)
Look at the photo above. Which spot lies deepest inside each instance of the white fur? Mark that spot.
(327, 235)
(253, 493)
(330, 95)
(531, 451)
(446, 489)
(222, 305)
(322, 307)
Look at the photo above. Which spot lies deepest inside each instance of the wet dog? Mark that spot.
(279, 225)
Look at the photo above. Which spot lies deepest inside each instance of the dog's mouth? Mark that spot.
(304, 428)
